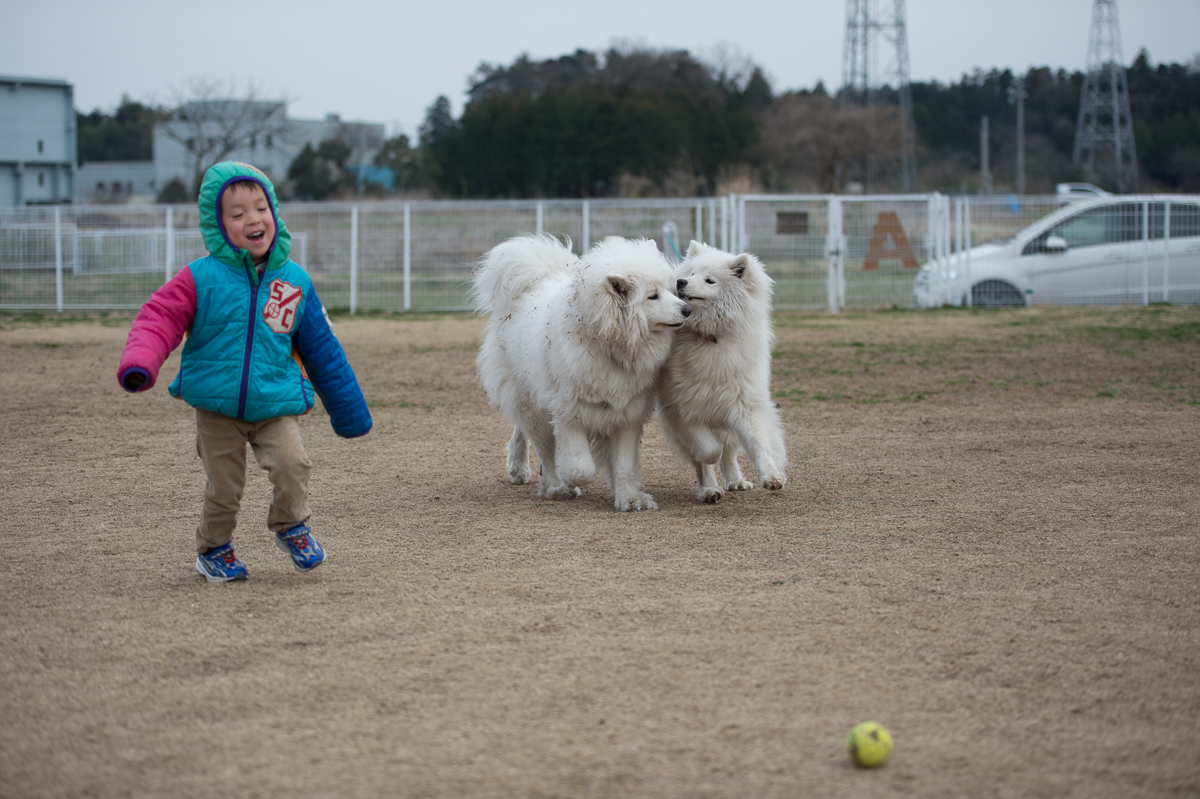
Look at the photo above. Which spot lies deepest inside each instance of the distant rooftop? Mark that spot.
(22, 79)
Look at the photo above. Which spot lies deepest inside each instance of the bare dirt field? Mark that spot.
(989, 542)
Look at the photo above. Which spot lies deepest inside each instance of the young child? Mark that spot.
(258, 344)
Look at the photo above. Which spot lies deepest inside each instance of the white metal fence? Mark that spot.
(825, 252)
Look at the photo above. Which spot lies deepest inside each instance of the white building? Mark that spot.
(262, 133)
(37, 141)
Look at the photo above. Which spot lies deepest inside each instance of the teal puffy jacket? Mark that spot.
(258, 348)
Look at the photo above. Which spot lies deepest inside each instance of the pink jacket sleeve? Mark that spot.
(157, 330)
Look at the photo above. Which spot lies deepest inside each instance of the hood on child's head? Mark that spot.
(216, 180)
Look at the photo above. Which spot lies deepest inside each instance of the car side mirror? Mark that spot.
(1055, 244)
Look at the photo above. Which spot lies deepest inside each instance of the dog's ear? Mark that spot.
(618, 286)
(738, 265)
(694, 248)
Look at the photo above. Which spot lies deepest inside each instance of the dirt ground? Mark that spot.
(989, 542)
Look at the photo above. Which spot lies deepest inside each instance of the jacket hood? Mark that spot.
(216, 180)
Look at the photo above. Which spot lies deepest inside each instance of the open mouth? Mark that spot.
(256, 236)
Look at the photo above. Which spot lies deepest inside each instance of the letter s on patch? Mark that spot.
(282, 301)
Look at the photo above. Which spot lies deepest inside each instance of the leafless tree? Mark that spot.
(729, 66)
(811, 139)
(212, 119)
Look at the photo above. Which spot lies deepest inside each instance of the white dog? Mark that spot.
(714, 392)
(570, 354)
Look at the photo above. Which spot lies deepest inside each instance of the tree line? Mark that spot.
(638, 122)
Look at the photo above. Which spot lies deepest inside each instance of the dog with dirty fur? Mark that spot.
(714, 391)
(570, 353)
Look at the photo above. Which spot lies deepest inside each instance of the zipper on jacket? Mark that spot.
(244, 390)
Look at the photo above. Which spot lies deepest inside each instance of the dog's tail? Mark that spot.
(510, 269)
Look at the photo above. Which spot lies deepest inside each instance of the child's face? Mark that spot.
(247, 217)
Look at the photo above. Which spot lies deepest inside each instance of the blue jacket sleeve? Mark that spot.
(330, 372)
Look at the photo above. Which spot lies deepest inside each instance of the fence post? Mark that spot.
(1166, 248)
(958, 226)
(835, 251)
(170, 260)
(586, 244)
(942, 224)
(408, 256)
(967, 243)
(58, 275)
(931, 248)
(725, 223)
(743, 240)
(699, 222)
(353, 260)
(956, 248)
(541, 217)
(712, 220)
(947, 233)
(1145, 252)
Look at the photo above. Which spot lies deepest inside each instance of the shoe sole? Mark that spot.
(213, 578)
(296, 565)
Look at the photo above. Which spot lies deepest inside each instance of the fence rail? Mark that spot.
(825, 252)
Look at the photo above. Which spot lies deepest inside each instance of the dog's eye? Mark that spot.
(654, 296)
(709, 280)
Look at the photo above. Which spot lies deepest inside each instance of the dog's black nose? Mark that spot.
(681, 284)
(687, 310)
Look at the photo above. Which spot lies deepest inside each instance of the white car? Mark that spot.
(1088, 252)
(1070, 192)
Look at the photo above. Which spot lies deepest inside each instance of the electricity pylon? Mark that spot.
(873, 26)
(1104, 134)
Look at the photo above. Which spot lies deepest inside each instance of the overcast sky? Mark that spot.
(388, 61)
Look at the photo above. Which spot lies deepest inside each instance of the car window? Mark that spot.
(1124, 223)
(1105, 224)
(1185, 220)
(1085, 229)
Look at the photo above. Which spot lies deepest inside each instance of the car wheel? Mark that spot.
(996, 294)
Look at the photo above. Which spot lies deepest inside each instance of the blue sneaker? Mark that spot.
(307, 553)
(220, 565)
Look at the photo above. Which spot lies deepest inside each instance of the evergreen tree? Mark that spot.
(125, 135)
(577, 125)
(320, 174)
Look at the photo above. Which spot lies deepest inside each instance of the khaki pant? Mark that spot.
(221, 443)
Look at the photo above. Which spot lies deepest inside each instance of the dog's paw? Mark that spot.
(519, 477)
(773, 482)
(710, 495)
(560, 491)
(739, 485)
(636, 501)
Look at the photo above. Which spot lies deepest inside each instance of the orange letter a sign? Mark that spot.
(888, 224)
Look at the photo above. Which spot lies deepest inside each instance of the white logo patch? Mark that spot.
(280, 311)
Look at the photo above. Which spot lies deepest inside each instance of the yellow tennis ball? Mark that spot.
(869, 743)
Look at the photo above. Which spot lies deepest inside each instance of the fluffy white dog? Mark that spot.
(714, 392)
(570, 354)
